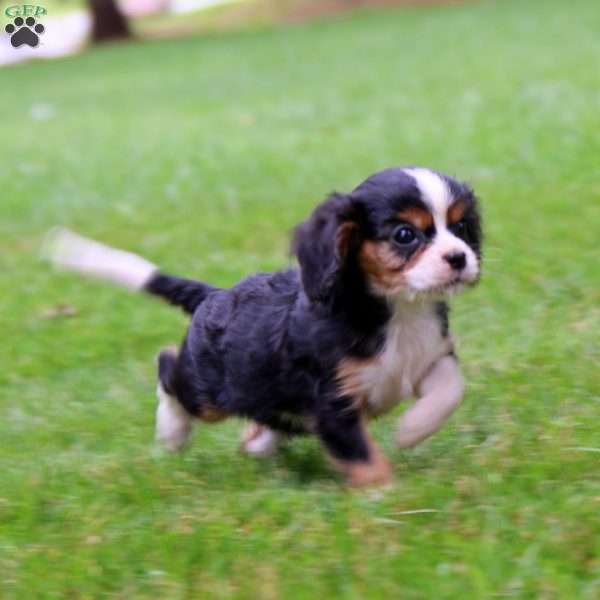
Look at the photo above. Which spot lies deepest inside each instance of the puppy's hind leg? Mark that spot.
(173, 422)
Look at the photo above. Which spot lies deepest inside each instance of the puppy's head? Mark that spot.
(406, 233)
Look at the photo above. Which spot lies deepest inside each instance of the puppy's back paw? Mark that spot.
(173, 422)
(260, 441)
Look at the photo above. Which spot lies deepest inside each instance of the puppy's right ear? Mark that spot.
(324, 243)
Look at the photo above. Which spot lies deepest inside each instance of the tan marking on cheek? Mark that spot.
(456, 212)
(419, 217)
(384, 268)
(380, 264)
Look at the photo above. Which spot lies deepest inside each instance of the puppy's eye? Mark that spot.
(405, 235)
(459, 228)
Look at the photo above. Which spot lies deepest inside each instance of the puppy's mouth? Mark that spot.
(457, 284)
(454, 285)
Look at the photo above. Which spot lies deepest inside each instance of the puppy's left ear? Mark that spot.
(324, 244)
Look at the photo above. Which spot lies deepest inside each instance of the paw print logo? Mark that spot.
(24, 32)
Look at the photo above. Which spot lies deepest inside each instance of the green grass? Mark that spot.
(201, 154)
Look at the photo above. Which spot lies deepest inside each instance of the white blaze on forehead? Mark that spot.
(432, 269)
(434, 190)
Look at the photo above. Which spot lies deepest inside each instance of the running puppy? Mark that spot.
(360, 326)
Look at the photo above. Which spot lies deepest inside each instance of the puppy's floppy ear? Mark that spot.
(324, 244)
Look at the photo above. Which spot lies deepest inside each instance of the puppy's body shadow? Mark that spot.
(303, 462)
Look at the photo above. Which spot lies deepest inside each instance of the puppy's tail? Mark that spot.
(69, 250)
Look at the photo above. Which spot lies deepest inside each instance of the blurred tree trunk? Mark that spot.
(108, 22)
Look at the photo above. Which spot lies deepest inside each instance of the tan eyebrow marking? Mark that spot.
(419, 217)
(456, 212)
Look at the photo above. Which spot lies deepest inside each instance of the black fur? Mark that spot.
(178, 291)
(443, 314)
(267, 349)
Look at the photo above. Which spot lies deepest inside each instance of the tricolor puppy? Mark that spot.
(361, 325)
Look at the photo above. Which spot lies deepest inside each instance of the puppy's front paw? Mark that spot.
(259, 441)
(376, 472)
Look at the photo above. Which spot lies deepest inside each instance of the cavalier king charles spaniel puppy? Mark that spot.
(361, 325)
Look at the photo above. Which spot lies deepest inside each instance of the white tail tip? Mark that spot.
(68, 250)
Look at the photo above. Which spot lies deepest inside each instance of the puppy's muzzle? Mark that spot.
(456, 260)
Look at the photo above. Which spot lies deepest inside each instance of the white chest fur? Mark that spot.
(413, 343)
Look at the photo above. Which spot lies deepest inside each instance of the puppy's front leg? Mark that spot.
(440, 392)
(347, 441)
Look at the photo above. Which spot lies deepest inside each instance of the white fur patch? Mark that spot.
(173, 422)
(413, 343)
(435, 191)
(68, 250)
(432, 271)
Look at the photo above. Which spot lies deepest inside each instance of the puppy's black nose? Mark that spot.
(457, 260)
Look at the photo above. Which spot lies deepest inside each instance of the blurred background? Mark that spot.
(197, 134)
(72, 25)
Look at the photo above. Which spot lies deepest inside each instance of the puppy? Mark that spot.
(361, 325)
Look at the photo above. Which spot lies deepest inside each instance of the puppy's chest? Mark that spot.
(412, 344)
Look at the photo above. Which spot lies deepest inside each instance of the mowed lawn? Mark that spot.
(202, 154)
